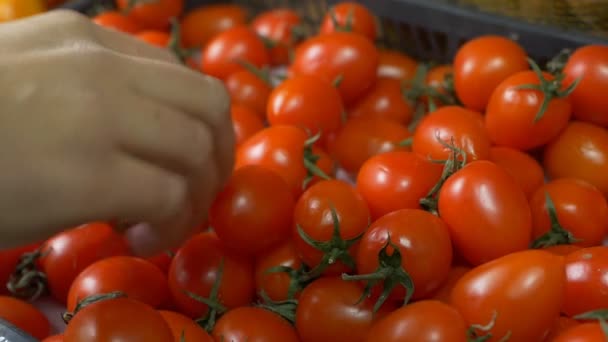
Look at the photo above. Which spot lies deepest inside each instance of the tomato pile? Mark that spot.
(374, 197)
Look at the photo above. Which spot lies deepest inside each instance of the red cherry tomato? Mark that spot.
(238, 326)
(560, 326)
(487, 212)
(9, 258)
(278, 285)
(350, 17)
(153, 15)
(345, 57)
(248, 89)
(253, 212)
(54, 338)
(245, 122)
(396, 180)
(162, 260)
(278, 25)
(24, 316)
(444, 293)
(203, 23)
(384, 100)
(526, 170)
(522, 291)
(396, 65)
(135, 277)
(464, 126)
(184, 328)
(226, 52)
(589, 64)
(481, 64)
(588, 332)
(117, 21)
(156, 38)
(587, 281)
(196, 268)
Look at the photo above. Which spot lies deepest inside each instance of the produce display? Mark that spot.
(375, 197)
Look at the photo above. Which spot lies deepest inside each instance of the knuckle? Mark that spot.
(201, 146)
(221, 99)
(173, 197)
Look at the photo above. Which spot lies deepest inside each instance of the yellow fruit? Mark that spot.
(15, 9)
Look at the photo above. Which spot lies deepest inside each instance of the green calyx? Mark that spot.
(27, 281)
(310, 162)
(557, 234)
(67, 316)
(215, 308)
(473, 333)
(286, 308)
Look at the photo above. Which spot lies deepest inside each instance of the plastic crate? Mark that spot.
(434, 29)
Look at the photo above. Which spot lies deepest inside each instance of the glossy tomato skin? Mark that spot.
(121, 319)
(361, 138)
(580, 151)
(526, 170)
(524, 290)
(296, 102)
(487, 212)
(587, 332)
(54, 338)
(117, 21)
(396, 180)
(330, 310)
(560, 325)
(344, 55)
(195, 269)
(9, 258)
(137, 278)
(350, 16)
(427, 320)
(181, 325)
(463, 125)
(444, 292)
(384, 100)
(481, 64)
(589, 63)
(511, 113)
(396, 65)
(24, 316)
(224, 53)
(162, 260)
(157, 38)
(253, 324)
(587, 281)
(580, 207)
(67, 254)
(156, 15)
(254, 211)
(281, 149)
(419, 236)
(201, 24)
(313, 214)
(276, 285)
(247, 89)
(278, 25)
(245, 122)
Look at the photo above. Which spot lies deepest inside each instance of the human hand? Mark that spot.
(96, 125)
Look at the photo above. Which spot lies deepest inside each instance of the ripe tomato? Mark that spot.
(344, 56)
(436, 78)
(226, 51)
(201, 24)
(156, 38)
(120, 319)
(184, 328)
(137, 278)
(362, 138)
(279, 286)
(587, 332)
(283, 150)
(16, 9)
(162, 260)
(248, 89)
(528, 172)
(481, 64)
(9, 258)
(153, 15)
(419, 235)
(277, 26)
(427, 320)
(331, 309)
(589, 63)
(581, 210)
(523, 291)
(396, 180)
(67, 254)
(444, 293)
(54, 338)
(199, 264)
(580, 151)
(447, 123)
(254, 211)
(394, 64)
(117, 21)
(313, 214)
(350, 17)
(245, 122)
(253, 324)
(560, 325)
(296, 102)
(511, 113)
(24, 316)
(487, 212)
(384, 100)
(587, 281)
